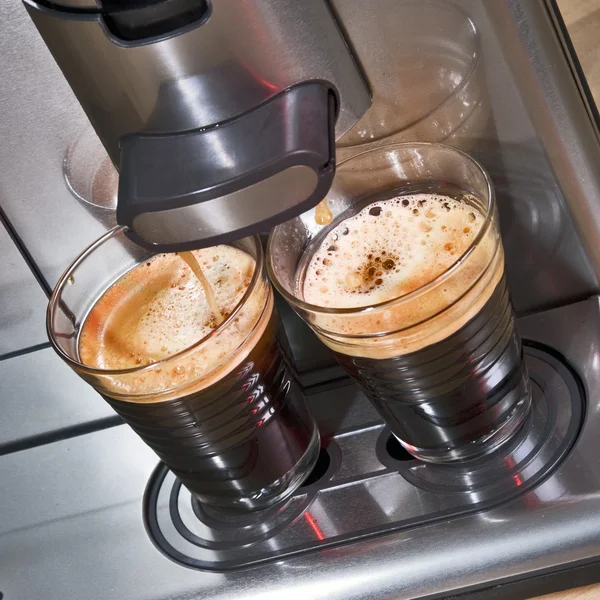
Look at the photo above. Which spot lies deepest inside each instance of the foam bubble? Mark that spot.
(389, 249)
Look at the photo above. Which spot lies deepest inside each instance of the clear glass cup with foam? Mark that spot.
(217, 403)
(406, 285)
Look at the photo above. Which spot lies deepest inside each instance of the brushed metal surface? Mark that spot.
(213, 74)
(41, 396)
(71, 524)
(40, 119)
(239, 57)
(546, 262)
(551, 95)
(22, 301)
(424, 64)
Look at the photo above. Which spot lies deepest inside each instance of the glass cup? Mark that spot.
(442, 363)
(240, 436)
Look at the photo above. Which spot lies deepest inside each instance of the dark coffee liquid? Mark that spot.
(241, 441)
(472, 387)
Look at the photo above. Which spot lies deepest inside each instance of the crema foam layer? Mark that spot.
(159, 308)
(390, 249)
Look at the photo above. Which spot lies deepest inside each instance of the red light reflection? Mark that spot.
(314, 526)
(510, 461)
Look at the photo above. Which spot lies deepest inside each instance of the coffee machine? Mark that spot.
(207, 115)
(224, 117)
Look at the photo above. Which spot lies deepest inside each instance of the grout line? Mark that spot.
(66, 433)
(24, 351)
(27, 257)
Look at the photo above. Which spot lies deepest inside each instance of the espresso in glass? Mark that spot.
(407, 287)
(211, 394)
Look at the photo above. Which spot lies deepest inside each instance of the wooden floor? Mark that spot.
(591, 592)
(582, 18)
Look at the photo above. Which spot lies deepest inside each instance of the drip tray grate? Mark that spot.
(365, 485)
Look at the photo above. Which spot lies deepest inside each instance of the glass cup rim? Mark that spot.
(325, 310)
(475, 60)
(54, 302)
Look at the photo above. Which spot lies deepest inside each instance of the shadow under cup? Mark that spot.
(443, 364)
(240, 437)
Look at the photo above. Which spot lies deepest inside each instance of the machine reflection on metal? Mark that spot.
(91, 177)
(449, 104)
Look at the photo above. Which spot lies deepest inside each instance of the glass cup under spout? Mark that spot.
(442, 360)
(225, 413)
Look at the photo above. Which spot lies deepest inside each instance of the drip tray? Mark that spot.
(366, 484)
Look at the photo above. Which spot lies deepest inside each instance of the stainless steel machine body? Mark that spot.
(219, 116)
(85, 513)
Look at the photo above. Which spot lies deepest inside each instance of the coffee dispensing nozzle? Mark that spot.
(221, 117)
